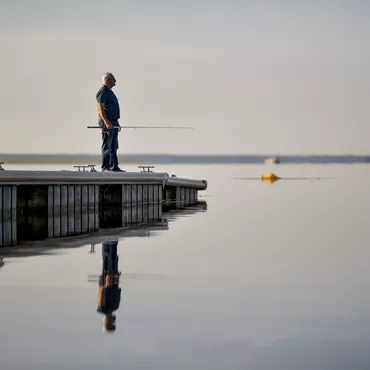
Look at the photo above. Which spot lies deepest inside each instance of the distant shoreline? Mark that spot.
(181, 159)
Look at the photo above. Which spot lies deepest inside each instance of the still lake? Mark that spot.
(268, 277)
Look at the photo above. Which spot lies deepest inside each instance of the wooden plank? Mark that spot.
(139, 203)
(145, 213)
(1, 217)
(56, 215)
(156, 212)
(126, 195)
(178, 197)
(91, 200)
(150, 194)
(7, 204)
(183, 198)
(150, 212)
(14, 214)
(160, 212)
(187, 196)
(77, 210)
(126, 204)
(134, 207)
(156, 191)
(145, 203)
(145, 194)
(150, 202)
(126, 215)
(192, 196)
(64, 210)
(140, 213)
(84, 209)
(50, 211)
(71, 210)
(97, 208)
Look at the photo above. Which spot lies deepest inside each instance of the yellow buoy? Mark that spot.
(270, 176)
(269, 181)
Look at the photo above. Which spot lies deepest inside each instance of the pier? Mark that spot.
(53, 204)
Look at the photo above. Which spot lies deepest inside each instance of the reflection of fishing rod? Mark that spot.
(135, 127)
(94, 277)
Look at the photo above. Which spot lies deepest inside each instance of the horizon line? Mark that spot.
(188, 155)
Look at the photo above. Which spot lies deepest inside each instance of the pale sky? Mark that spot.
(288, 77)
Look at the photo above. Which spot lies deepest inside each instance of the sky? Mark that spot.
(284, 77)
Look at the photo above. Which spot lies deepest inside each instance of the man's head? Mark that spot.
(109, 80)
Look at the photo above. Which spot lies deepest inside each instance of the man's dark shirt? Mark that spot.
(111, 299)
(111, 294)
(111, 105)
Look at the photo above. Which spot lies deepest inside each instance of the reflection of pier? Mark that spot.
(53, 204)
(43, 247)
(169, 212)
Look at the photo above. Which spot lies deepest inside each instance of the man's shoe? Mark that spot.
(119, 170)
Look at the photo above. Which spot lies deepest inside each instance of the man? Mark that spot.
(109, 114)
(109, 295)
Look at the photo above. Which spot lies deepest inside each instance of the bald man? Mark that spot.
(109, 114)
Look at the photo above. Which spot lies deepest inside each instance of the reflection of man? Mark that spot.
(109, 295)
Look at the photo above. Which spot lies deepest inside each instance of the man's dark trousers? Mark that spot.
(109, 149)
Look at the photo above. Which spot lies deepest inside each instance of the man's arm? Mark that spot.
(103, 115)
(100, 295)
(109, 280)
(101, 99)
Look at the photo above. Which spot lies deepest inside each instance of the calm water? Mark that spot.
(270, 277)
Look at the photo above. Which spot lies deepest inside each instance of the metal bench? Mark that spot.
(146, 168)
(91, 166)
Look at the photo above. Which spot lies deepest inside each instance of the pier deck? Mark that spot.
(65, 203)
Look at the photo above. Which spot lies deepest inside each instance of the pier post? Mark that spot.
(150, 202)
(8, 222)
(160, 202)
(126, 204)
(63, 210)
(145, 202)
(187, 196)
(139, 203)
(84, 209)
(180, 197)
(97, 208)
(54, 211)
(78, 208)
(134, 204)
(91, 206)
(71, 211)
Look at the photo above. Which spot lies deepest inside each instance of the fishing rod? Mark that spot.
(135, 127)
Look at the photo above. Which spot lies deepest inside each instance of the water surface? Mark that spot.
(270, 277)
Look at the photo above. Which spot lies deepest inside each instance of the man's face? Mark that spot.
(112, 81)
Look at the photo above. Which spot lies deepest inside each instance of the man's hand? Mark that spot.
(108, 125)
(119, 128)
